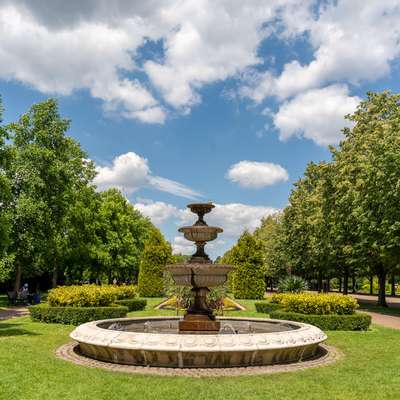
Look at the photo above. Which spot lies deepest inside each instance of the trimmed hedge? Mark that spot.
(352, 322)
(74, 315)
(315, 303)
(266, 307)
(133, 304)
(89, 295)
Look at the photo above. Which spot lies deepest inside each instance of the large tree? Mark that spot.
(368, 176)
(47, 168)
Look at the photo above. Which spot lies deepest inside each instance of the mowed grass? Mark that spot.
(29, 370)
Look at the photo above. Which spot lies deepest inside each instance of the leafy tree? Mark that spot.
(120, 235)
(248, 260)
(368, 178)
(47, 168)
(156, 255)
(5, 195)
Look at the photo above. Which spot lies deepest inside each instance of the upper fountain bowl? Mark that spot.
(201, 208)
(200, 233)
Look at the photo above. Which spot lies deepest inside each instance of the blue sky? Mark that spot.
(178, 101)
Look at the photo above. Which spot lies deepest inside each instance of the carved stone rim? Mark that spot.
(91, 333)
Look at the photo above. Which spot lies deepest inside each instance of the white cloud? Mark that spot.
(339, 34)
(129, 172)
(157, 211)
(182, 246)
(317, 114)
(255, 175)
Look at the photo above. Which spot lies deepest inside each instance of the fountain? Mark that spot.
(199, 339)
(200, 273)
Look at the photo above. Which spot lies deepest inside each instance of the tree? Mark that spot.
(5, 196)
(249, 271)
(368, 176)
(156, 255)
(46, 170)
(121, 232)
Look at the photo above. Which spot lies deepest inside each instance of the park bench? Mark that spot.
(14, 299)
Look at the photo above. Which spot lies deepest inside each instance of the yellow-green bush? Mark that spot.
(315, 303)
(88, 295)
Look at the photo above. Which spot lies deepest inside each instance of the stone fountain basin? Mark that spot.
(258, 342)
(199, 275)
(200, 233)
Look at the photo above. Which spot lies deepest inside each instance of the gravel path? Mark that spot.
(12, 312)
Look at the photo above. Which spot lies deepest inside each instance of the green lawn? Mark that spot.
(30, 371)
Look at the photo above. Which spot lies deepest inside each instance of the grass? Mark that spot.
(30, 371)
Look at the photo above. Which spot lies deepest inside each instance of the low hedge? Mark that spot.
(132, 304)
(266, 307)
(89, 295)
(315, 303)
(333, 322)
(74, 315)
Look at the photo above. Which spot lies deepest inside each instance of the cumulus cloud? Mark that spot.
(129, 172)
(182, 246)
(337, 34)
(256, 175)
(234, 218)
(317, 114)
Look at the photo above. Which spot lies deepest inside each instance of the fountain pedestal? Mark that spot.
(199, 273)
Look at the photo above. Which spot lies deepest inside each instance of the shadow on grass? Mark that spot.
(9, 329)
(367, 306)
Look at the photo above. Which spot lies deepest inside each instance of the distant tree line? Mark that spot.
(55, 227)
(343, 217)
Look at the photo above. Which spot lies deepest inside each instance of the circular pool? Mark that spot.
(156, 341)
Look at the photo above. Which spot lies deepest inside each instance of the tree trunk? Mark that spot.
(346, 282)
(340, 284)
(328, 285)
(393, 289)
(353, 284)
(54, 279)
(272, 285)
(319, 282)
(18, 274)
(371, 285)
(382, 289)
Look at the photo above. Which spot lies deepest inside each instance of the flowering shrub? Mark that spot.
(89, 295)
(315, 303)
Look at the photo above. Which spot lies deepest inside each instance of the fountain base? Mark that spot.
(198, 323)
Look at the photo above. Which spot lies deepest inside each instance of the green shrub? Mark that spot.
(132, 304)
(74, 315)
(315, 303)
(266, 307)
(248, 275)
(156, 254)
(353, 322)
(292, 284)
(88, 295)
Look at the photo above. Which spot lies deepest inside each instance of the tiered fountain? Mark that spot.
(200, 273)
(198, 340)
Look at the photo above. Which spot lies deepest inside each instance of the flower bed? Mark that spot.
(89, 295)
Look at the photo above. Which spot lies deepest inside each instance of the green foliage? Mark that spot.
(156, 255)
(333, 322)
(249, 272)
(74, 315)
(132, 304)
(266, 307)
(292, 284)
(88, 295)
(315, 303)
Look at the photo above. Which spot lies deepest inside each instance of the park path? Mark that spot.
(7, 313)
(389, 321)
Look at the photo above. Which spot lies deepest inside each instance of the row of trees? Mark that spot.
(343, 217)
(54, 225)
